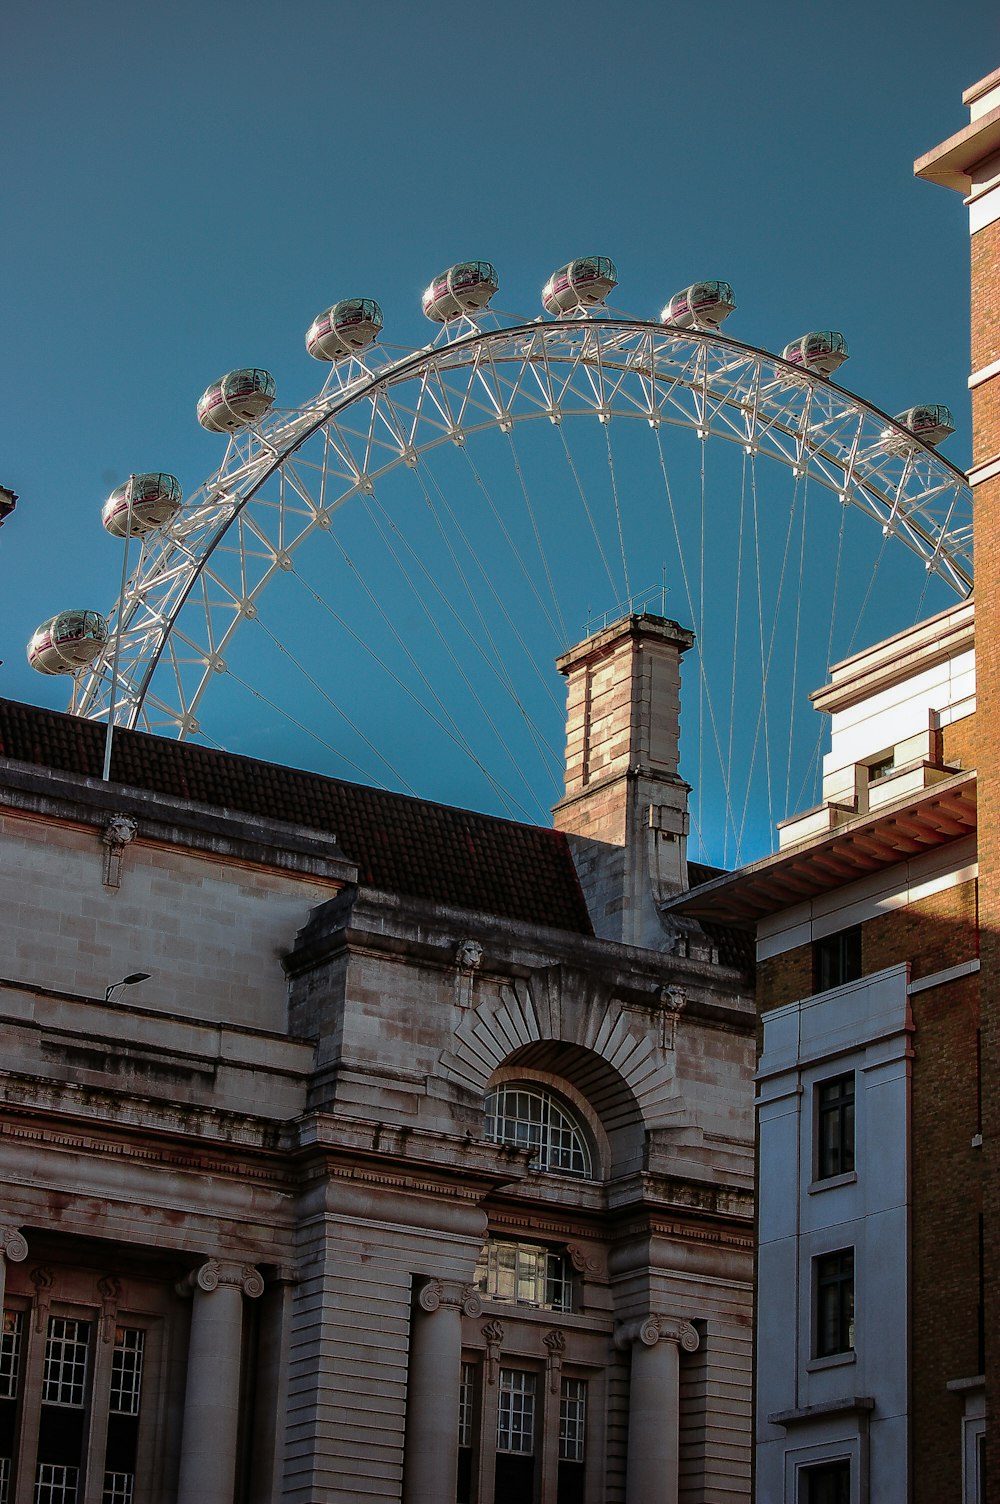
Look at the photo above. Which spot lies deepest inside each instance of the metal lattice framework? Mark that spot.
(284, 479)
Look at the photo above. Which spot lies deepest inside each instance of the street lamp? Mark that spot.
(114, 992)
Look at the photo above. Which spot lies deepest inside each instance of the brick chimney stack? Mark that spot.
(625, 803)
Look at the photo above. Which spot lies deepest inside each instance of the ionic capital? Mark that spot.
(654, 1328)
(464, 1298)
(214, 1273)
(13, 1245)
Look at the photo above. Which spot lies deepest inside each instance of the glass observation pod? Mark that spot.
(156, 500)
(67, 642)
(930, 423)
(579, 284)
(349, 326)
(464, 288)
(236, 400)
(703, 305)
(821, 352)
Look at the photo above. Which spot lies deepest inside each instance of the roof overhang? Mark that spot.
(863, 846)
(952, 163)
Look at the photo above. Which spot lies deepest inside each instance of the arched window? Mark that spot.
(530, 1117)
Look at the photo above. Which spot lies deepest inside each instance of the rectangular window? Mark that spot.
(118, 1488)
(826, 1483)
(525, 1274)
(10, 1374)
(65, 1375)
(834, 1293)
(572, 1436)
(466, 1432)
(516, 1412)
(55, 1483)
(835, 1127)
(514, 1472)
(837, 959)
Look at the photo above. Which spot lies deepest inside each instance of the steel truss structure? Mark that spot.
(284, 479)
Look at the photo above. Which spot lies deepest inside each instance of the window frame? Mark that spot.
(557, 1117)
(843, 1284)
(546, 1277)
(841, 1109)
(837, 959)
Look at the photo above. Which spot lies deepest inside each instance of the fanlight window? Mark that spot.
(530, 1118)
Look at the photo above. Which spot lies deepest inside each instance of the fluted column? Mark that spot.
(654, 1406)
(13, 1249)
(430, 1466)
(212, 1393)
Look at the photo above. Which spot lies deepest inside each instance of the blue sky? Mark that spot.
(187, 185)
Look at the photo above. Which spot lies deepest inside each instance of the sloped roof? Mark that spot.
(453, 857)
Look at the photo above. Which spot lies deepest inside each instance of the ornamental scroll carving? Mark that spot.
(213, 1273)
(654, 1328)
(13, 1245)
(463, 1298)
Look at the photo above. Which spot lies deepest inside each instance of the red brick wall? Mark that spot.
(986, 444)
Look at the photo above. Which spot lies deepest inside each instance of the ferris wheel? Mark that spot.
(403, 556)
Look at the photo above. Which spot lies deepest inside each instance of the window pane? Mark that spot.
(65, 1374)
(829, 1483)
(572, 1419)
(10, 1354)
(531, 1118)
(835, 1126)
(526, 1274)
(835, 1303)
(126, 1370)
(55, 1484)
(118, 1488)
(465, 1401)
(516, 1412)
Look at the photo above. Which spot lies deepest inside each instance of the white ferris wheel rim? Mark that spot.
(608, 366)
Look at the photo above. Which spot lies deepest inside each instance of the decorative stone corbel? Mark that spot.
(493, 1337)
(43, 1281)
(468, 959)
(586, 1262)
(110, 1290)
(672, 1001)
(119, 831)
(555, 1345)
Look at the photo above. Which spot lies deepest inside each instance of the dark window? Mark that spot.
(466, 1415)
(572, 1437)
(837, 959)
(515, 1462)
(835, 1127)
(834, 1303)
(827, 1483)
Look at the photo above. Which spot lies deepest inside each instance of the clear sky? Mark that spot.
(187, 185)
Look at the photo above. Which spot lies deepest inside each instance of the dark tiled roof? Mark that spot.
(448, 856)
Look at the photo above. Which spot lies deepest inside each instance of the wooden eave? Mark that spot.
(871, 843)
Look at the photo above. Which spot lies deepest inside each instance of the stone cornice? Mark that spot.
(165, 820)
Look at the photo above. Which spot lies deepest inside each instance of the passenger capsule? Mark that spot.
(156, 500)
(8, 501)
(579, 284)
(349, 326)
(67, 642)
(703, 305)
(464, 288)
(820, 352)
(930, 424)
(236, 400)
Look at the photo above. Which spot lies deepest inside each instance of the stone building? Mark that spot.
(351, 1148)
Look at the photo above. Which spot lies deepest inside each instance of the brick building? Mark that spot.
(878, 943)
(349, 1150)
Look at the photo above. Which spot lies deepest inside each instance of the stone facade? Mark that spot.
(362, 1192)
